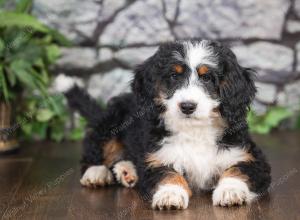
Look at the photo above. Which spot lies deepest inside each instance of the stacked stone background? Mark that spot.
(112, 36)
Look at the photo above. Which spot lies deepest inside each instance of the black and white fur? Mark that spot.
(206, 149)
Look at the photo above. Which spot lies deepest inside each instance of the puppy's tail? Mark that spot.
(79, 99)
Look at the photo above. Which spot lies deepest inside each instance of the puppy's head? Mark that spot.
(194, 81)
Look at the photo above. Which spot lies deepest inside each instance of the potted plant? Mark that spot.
(27, 49)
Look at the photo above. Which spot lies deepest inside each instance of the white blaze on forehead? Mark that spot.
(193, 90)
(199, 53)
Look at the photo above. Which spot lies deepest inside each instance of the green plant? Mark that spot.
(43, 121)
(27, 50)
(263, 124)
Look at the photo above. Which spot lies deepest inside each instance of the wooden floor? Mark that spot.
(42, 182)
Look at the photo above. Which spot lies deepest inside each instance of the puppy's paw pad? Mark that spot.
(232, 192)
(128, 178)
(126, 173)
(96, 176)
(169, 197)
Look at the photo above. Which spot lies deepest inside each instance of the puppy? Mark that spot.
(183, 129)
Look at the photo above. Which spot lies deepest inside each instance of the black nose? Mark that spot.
(187, 107)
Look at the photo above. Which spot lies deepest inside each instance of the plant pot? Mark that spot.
(8, 141)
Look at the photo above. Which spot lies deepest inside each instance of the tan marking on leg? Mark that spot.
(112, 151)
(234, 185)
(235, 172)
(172, 192)
(176, 179)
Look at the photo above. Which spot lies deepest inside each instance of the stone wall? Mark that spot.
(111, 36)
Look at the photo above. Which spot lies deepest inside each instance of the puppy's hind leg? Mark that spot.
(124, 171)
(95, 173)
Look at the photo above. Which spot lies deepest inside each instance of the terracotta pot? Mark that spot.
(8, 141)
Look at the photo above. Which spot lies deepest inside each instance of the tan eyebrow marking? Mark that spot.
(178, 68)
(202, 70)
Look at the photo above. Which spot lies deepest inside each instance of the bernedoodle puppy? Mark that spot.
(182, 129)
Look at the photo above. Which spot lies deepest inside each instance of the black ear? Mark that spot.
(237, 89)
(143, 85)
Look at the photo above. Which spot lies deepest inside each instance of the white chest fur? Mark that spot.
(192, 151)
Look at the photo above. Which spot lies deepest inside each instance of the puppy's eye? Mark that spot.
(202, 70)
(175, 76)
(178, 68)
(206, 77)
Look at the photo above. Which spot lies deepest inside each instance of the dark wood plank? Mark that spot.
(53, 170)
(44, 191)
(12, 173)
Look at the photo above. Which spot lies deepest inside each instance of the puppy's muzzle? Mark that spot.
(187, 107)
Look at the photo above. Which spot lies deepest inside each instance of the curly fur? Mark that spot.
(139, 120)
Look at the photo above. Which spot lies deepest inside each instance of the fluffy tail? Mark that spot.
(79, 99)
(117, 112)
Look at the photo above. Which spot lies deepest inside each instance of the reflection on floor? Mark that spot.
(42, 181)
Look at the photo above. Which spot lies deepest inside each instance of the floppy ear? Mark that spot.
(237, 89)
(143, 85)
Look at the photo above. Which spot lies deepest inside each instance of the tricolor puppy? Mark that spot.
(182, 130)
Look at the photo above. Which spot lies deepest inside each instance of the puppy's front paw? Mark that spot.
(96, 176)
(232, 191)
(126, 173)
(170, 196)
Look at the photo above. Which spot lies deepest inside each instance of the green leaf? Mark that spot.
(59, 38)
(57, 133)
(2, 46)
(44, 115)
(24, 6)
(76, 134)
(52, 52)
(39, 64)
(27, 50)
(261, 129)
(27, 128)
(276, 115)
(39, 79)
(20, 68)
(26, 123)
(11, 77)
(263, 124)
(40, 129)
(26, 78)
(12, 19)
(56, 104)
(2, 2)
(3, 84)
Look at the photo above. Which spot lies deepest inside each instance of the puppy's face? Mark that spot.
(195, 81)
(189, 89)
